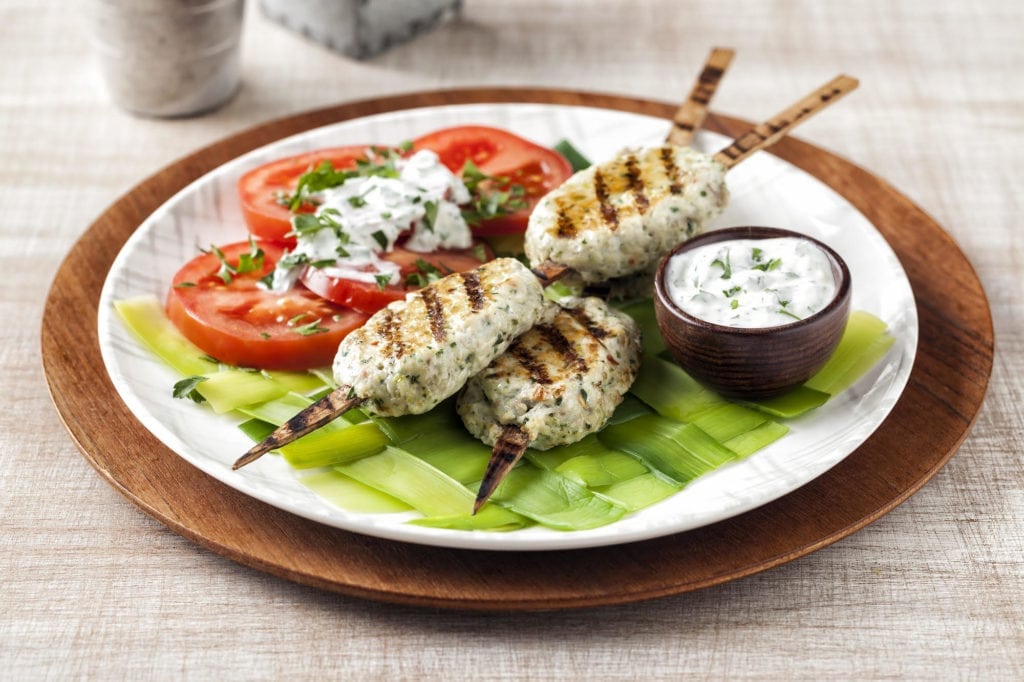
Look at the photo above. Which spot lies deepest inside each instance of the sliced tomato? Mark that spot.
(369, 297)
(260, 190)
(240, 323)
(500, 153)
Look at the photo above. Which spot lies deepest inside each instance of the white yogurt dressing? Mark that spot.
(366, 215)
(751, 282)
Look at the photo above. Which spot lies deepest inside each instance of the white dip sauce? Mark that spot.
(751, 282)
(368, 214)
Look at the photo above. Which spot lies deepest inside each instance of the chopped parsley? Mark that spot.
(247, 262)
(311, 328)
(726, 266)
(380, 238)
(379, 161)
(773, 264)
(186, 389)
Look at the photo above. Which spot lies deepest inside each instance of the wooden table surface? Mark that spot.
(92, 587)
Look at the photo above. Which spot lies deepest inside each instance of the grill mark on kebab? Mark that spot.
(608, 212)
(535, 368)
(389, 332)
(594, 329)
(471, 285)
(435, 315)
(563, 347)
(636, 183)
(566, 228)
(668, 161)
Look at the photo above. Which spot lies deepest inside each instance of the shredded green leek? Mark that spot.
(351, 495)
(668, 431)
(554, 501)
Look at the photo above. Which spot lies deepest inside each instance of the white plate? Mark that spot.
(765, 191)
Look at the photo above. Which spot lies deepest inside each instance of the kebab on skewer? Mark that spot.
(563, 379)
(619, 217)
(557, 383)
(416, 352)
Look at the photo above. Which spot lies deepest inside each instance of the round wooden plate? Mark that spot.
(931, 419)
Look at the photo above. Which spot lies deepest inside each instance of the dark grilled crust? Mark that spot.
(573, 361)
(389, 332)
(608, 212)
(594, 329)
(636, 183)
(537, 370)
(668, 162)
(471, 285)
(435, 313)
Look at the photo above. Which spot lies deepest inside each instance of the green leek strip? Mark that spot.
(871, 355)
(631, 407)
(603, 470)
(728, 420)
(589, 462)
(280, 410)
(861, 330)
(145, 319)
(793, 403)
(423, 487)
(407, 427)
(351, 495)
(299, 382)
(226, 391)
(748, 443)
(256, 429)
(572, 155)
(643, 313)
(672, 392)
(452, 451)
(326, 377)
(553, 500)
(680, 451)
(641, 491)
(331, 447)
(491, 517)
(336, 443)
(556, 456)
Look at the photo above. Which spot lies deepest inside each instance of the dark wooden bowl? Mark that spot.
(752, 363)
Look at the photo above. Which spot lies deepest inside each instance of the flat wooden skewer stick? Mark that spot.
(769, 132)
(690, 116)
(310, 419)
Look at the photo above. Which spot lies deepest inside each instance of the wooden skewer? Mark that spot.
(769, 132)
(508, 450)
(689, 117)
(310, 419)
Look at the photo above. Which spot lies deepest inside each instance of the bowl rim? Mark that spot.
(842, 293)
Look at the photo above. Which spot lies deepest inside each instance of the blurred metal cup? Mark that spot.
(168, 58)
